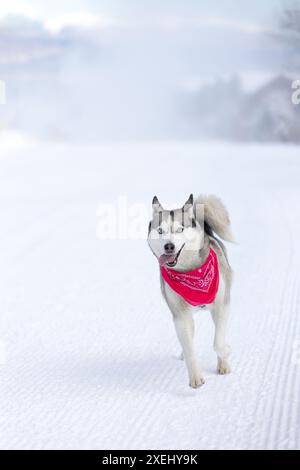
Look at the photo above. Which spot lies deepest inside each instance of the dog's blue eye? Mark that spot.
(179, 230)
(160, 230)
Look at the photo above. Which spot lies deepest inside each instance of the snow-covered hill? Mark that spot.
(88, 349)
(228, 109)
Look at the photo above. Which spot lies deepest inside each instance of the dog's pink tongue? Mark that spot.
(163, 259)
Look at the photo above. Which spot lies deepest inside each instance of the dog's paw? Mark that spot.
(223, 367)
(196, 381)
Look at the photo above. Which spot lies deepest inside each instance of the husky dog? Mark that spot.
(182, 240)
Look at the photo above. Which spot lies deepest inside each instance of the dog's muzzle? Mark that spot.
(170, 259)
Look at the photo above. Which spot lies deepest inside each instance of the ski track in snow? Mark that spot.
(91, 352)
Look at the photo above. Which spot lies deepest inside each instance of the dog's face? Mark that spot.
(174, 235)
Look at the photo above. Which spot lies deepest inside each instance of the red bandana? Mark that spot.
(197, 287)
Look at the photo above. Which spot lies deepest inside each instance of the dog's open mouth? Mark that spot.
(170, 260)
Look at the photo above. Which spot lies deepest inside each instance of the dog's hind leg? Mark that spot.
(220, 314)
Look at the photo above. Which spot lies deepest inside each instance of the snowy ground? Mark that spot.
(88, 349)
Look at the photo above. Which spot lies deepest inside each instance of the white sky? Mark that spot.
(254, 11)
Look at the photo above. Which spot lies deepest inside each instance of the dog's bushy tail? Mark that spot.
(216, 217)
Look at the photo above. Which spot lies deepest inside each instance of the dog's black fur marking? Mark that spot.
(208, 229)
(182, 216)
(172, 218)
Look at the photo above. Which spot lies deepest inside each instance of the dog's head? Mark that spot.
(175, 235)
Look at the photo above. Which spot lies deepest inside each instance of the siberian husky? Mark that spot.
(194, 272)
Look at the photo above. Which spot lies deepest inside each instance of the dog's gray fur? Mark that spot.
(206, 228)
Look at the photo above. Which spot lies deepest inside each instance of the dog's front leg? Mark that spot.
(184, 325)
(220, 314)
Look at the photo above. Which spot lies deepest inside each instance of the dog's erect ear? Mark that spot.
(189, 203)
(156, 205)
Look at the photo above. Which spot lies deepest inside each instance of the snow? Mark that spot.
(89, 356)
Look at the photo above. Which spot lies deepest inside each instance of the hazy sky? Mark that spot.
(133, 61)
(246, 11)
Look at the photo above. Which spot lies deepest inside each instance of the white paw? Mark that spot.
(181, 356)
(223, 367)
(196, 380)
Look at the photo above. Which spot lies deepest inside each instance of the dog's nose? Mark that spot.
(169, 248)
